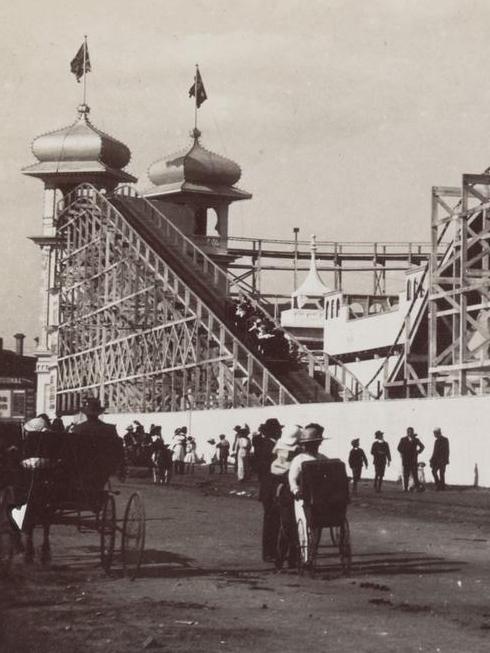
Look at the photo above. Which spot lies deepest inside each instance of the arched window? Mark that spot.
(327, 304)
(337, 309)
(332, 308)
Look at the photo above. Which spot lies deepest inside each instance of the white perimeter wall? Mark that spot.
(464, 420)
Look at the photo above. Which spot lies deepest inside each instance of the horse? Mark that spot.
(161, 459)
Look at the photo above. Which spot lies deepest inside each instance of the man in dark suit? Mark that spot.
(439, 459)
(270, 433)
(409, 448)
(95, 448)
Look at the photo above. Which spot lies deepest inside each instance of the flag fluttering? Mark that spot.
(197, 90)
(80, 64)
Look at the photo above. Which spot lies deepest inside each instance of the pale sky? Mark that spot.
(342, 113)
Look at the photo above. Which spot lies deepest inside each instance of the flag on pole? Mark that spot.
(197, 90)
(80, 64)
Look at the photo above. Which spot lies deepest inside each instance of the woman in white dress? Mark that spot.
(178, 449)
(190, 456)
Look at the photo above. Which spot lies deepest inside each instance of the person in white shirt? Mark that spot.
(309, 441)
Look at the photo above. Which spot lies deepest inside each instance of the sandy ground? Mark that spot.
(420, 580)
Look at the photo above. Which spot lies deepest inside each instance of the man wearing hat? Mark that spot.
(381, 454)
(270, 432)
(357, 458)
(95, 447)
(439, 459)
(409, 448)
(285, 450)
(310, 439)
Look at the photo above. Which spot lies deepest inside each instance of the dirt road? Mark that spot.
(420, 581)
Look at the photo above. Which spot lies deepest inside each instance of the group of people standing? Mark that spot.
(280, 452)
(409, 448)
(183, 447)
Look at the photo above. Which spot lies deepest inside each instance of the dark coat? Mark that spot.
(357, 458)
(95, 450)
(410, 449)
(440, 455)
(380, 452)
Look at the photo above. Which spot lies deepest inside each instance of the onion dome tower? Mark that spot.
(79, 153)
(193, 181)
(66, 158)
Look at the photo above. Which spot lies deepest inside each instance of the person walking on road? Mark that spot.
(410, 447)
(357, 458)
(381, 454)
(439, 459)
(223, 448)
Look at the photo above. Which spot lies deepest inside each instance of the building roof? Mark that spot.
(79, 149)
(312, 286)
(196, 170)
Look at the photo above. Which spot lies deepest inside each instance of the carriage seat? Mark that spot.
(92, 453)
(325, 489)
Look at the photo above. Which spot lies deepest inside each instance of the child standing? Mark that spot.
(357, 458)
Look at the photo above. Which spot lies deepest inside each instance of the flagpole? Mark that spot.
(195, 99)
(85, 69)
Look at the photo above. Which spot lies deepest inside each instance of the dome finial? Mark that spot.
(196, 134)
(83, 109)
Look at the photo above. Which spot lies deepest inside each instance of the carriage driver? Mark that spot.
(309, 440)
(100, 447)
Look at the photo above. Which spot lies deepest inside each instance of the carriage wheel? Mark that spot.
(107, 529)
(6, 533)
(335, 535)
(345, 548)
(133, 535)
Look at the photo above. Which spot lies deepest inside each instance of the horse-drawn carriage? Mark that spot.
(63, 478)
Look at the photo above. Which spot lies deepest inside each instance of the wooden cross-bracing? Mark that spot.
(459, 300)
(133, 333)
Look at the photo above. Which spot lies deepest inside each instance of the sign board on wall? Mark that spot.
(5, 403)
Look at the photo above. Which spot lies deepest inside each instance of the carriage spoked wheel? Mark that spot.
(345, 548)
(133, 535)
(107, 530)
(6, 533)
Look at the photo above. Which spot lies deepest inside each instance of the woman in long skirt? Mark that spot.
(190, 456)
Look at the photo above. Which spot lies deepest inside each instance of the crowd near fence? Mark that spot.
(464, 420)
